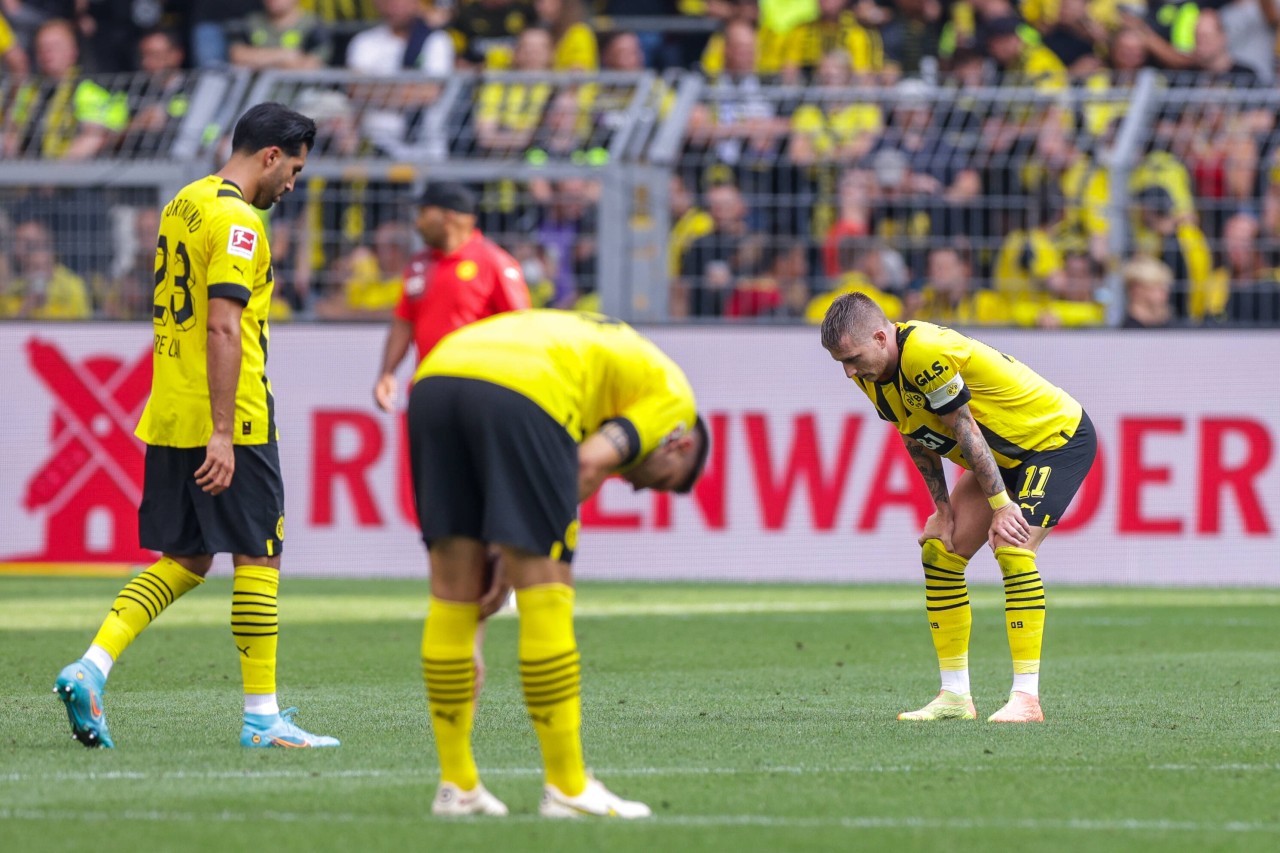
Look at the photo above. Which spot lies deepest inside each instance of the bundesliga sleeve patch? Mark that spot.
(242, 241)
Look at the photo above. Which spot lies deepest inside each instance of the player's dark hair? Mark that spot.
(853, 314)
(265, 125)
(700, 461)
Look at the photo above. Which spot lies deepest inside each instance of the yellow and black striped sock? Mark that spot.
(449, 671)
(141, 601)
(1023, 607)
(946, 597)
(551, 672)
(255, 626)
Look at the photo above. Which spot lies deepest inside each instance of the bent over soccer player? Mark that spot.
(513, 421)
(211, 482)
(1026, 445)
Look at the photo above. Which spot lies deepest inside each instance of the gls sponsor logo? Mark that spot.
(934, 371)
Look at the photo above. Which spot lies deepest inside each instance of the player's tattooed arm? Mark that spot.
(618, 437)
(976, 451)
(1008, 527)
(606, 450)
(929, 464)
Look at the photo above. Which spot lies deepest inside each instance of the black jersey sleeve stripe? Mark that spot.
(1004, 446)
(633, 437)
(226, 290)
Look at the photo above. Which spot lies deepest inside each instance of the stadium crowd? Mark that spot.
(953, 160)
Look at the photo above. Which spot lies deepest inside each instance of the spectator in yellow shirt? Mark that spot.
(1127, 56)
(767, 61)
(875, 271)
(1200, 292)
(1043, 14)
(374, 278)
(1028, 265)
(12, 57)
(1022, 64)
(1072, 303)
(42, 288)
(507, 114)
(59, 114)
(688, 223)
(948, 295)
(830, 130)
(575, 41)
(1086, 192)
(836, 28)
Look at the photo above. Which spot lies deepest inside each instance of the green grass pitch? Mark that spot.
(749, 717)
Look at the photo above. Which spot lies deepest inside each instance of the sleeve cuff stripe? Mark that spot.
(230, 291)
(633, 435)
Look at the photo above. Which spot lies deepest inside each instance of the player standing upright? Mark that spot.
(1027, 446)
(462, 276)
(212, 481)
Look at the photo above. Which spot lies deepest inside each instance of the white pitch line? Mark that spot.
(426, 772)
(866, 822)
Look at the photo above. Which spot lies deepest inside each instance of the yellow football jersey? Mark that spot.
(940, 370)
(576, 50)
(982, 307)
(6, 36)
(837, 126)
(513, 106)
(211, 245)
(582, 369)
(1026, 260)
(805, 45)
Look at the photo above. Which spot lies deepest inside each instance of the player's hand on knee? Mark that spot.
(214, 476)
(497, 587)
(941, 525)
(1008, 525)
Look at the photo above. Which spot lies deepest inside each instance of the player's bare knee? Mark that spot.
(250, 560)
(526, 569)
(197, 565)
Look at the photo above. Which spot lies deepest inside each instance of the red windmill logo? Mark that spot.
(91, 483)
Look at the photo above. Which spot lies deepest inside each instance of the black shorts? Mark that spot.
(490, 464)
(177, 517)
(1046, 481)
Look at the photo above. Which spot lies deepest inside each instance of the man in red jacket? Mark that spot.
(462, 276)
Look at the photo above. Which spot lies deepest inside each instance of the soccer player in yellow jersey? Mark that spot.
(211, 482)
(513, 420)
(1026, 446)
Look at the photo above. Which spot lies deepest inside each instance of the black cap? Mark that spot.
(449, 196)
(1155, 198)
(1006, 25)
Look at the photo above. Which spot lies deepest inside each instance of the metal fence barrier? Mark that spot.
(661, 198)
